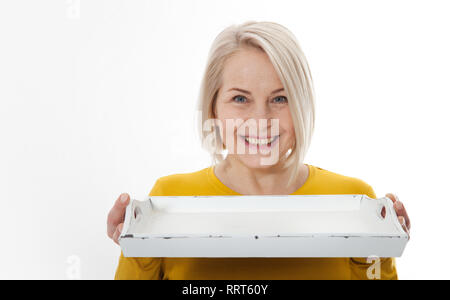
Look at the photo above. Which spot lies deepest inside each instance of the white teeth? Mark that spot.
(255, 141)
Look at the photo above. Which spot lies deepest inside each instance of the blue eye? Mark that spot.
(239, 99)
(280, 99)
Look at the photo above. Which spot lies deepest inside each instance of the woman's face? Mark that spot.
(250, 98)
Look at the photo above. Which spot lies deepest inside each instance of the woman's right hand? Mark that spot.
(116, 217)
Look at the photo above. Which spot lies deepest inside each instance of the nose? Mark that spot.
(261, 110)
(262, 115)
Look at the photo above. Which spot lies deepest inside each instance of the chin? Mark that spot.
(255, 161)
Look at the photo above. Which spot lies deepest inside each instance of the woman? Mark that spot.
(257, 102)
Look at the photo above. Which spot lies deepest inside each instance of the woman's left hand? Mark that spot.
(401, 213)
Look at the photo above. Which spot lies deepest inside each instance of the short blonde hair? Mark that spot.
(288, 59)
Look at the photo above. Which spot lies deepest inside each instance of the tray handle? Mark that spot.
(129, 217)
(391, 213)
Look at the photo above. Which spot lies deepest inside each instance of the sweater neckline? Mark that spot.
(215, 181)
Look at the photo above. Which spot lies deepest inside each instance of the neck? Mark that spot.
(259, 181)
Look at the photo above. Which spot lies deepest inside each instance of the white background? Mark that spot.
(98, 98)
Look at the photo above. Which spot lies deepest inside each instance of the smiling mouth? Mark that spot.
(260, 142)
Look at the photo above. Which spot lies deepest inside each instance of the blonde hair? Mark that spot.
(290, 63)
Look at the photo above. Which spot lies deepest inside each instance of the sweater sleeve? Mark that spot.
(141, 268)
(366, 268)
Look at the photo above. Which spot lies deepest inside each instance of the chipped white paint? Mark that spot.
(262, 226)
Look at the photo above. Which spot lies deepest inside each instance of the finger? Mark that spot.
(405, 228)
(401, 211)
(403, 223)
(392, 197)
(400, 207)
(117, 213)
(117, 233)
(115, 237)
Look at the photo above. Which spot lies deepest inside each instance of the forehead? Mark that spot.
(250, 67)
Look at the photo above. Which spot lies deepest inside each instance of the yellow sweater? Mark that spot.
(204, 182)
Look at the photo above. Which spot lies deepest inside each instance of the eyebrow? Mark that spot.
(249, 93)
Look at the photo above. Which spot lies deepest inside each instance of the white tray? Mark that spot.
(262, 226)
